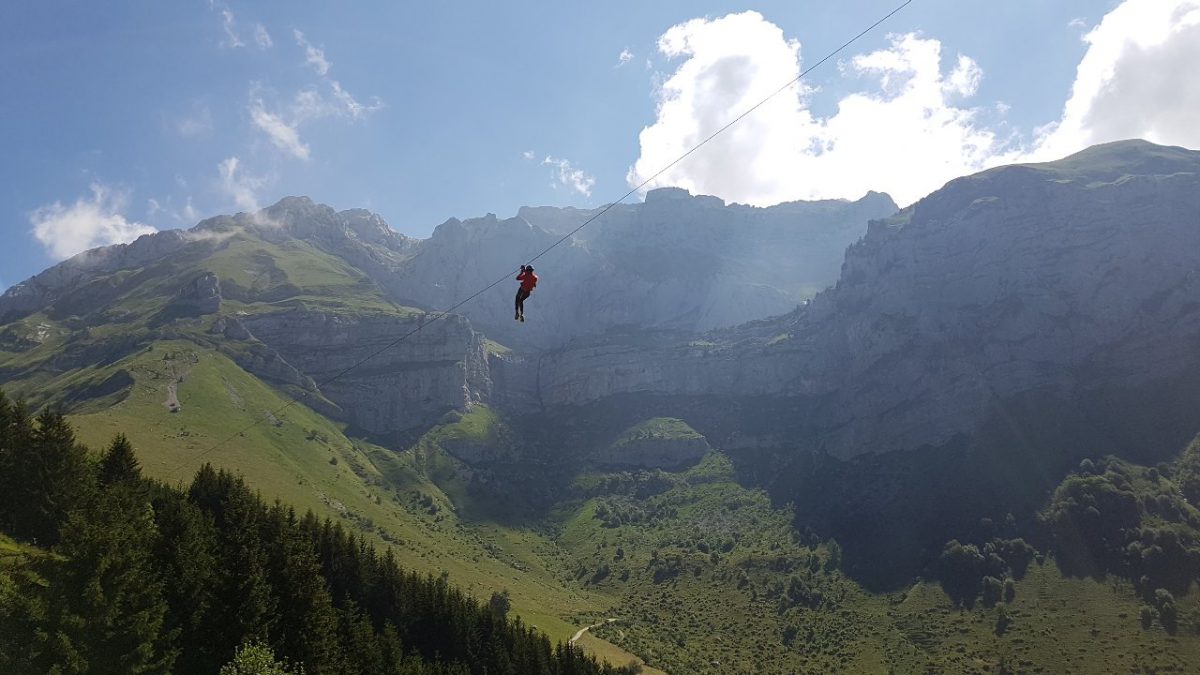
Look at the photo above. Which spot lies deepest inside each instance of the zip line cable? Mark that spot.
(446, 312)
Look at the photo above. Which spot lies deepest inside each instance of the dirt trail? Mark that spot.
(172, 401)
(579, 633)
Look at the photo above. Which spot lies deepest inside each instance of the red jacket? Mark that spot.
(528, 281)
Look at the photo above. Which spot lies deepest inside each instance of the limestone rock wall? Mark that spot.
(440, 368)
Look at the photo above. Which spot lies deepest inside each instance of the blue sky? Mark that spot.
(123, 117)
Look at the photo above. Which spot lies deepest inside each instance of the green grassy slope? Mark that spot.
(113, 353)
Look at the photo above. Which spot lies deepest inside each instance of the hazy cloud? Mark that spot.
(624, 57)
(283, 135)
(196, 125)
(261, 37)
(350, 105)
(232, 40)
(528, 154)
(576, 179)
(238, 186)
(166, 209)
(313, 56)
(98, 220)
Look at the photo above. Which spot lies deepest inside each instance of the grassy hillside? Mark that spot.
(119, 358)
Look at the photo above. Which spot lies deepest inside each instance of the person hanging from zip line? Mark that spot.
(528, 282)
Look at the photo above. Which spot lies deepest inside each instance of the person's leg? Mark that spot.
(521, 295)
(517, 305)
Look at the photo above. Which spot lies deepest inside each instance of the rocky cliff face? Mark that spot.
(42, 290)
(439, 368)
(1059, 277)
(676, 261)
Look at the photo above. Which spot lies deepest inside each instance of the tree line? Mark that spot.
(126, 574)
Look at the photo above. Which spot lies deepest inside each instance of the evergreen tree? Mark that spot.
(106, 608)
(305, 622)
(185, 554)
(46, 475)
(119, 465)
(244, 609)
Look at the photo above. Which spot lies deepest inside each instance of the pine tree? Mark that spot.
(119, 465)
(48, 477)
(306, 623)
(185, 554)
(106, 608)
(244, 607)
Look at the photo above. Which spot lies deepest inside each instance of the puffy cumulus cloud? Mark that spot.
(1138, 79)
(909, 126)
(907, 133)
(243, 189)
(574, 178)
(97, 220)
(313, 56)
(261, 37)
(282, 135)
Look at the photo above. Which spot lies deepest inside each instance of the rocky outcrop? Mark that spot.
(1059, 278)
(41, 290)
(200, 296)
(440, 365)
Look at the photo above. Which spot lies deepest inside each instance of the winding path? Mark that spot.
(579, 633)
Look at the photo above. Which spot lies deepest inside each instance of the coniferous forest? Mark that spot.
(116, 573)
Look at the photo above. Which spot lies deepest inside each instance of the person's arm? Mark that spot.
(521, 276)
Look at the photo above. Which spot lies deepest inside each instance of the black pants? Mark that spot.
(521, 295)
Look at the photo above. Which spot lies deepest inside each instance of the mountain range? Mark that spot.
(887, 378)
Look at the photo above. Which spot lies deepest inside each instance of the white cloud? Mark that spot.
(261, 37)
(528, 154)
(1077, 22)
(576, 179)
(283, 128)
(197, 125)
(910, 125)
(624, 57)
(313, 56)
(88, 223)
(232, 40)
(238, 186)
(904, 133)
(349, 105)
(284, 136)
(1136, 80)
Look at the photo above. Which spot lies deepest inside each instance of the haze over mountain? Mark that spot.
(970, 351)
